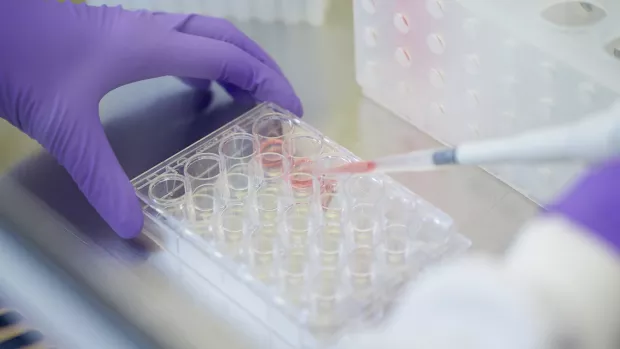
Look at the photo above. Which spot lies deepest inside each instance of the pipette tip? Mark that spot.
(355, 167)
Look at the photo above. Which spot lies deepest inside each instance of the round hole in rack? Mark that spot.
(436, 78)
(473, 99)
(401, 23)
(369, 6)
(472, 64)
(574, 13)
(370, 37)
(403, 57)
(475, 130)
(438, 109)
(613, 47)
(435, 8)
(436, 44)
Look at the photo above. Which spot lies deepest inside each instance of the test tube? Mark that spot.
(233, 227)
(329, 247)
(271, 196)
(432, 237)
(326, 297)
(303, 151)
(330, 183)
(361, 268)
(236, 151)
(271, 130)
(396, 245)
(203, 176)
(169, 194)
(334, 209)
(263, 254)
(365, 189)
(294, 273)
(401, 210)
(364, 224)
(304, 187)
(300, 221)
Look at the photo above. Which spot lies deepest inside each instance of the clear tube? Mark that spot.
(263, 254)
(330, 182)
(236, 151)
(365, 189)
(326, 297)
(332, 197)
(364, 224)
(304, 187)
(303, 151)
(271, 131)
(396, 246)
(169, 195)
(334, 208)
(205, 183)
(432, 236)
(329, 247)
(400, 210)
(294, 273)
(361, 268)
(300, 221)
(233, 226)
(271, 196)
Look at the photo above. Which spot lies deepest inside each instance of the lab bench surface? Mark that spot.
(149, 121)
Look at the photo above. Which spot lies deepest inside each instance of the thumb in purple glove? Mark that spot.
(59, 60)
(593, 203)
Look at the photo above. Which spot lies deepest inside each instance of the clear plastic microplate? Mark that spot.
(306, 256)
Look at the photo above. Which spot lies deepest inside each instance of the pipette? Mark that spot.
(593, 138)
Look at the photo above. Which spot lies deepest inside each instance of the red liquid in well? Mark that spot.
(303, 166)
(271, 146)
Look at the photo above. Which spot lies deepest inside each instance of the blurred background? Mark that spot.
(378, 77)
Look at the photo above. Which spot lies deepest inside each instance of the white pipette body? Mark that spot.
(593, 138)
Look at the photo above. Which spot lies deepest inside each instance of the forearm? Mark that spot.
(575, 273)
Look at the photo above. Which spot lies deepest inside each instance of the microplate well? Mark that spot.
(306, 257)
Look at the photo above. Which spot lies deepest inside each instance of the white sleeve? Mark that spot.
(575, 272)
(556, 282)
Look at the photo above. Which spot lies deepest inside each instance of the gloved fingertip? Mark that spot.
(129, 222)
(298, 108)
(291, 103)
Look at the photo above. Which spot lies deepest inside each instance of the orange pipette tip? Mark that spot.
(355, 167)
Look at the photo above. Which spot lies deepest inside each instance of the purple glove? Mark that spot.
(594, 203)
(58, 60)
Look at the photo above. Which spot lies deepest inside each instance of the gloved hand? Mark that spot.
(593, 203)
(57, 60)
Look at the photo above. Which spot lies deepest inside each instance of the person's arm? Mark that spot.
(558, 286)
(59, 59)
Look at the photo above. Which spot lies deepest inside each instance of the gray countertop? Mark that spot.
(149, 121)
